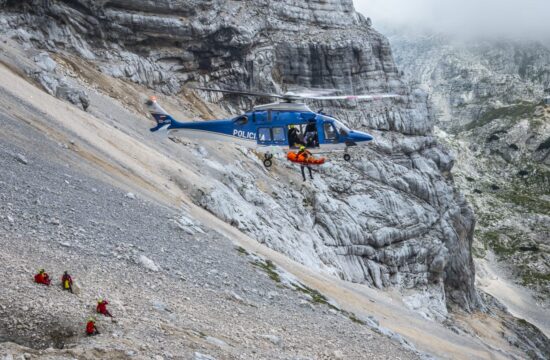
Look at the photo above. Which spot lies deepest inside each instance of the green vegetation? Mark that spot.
(318, 298)
(241, 250)
(492, 239)
(499, 244)
(524, 190)
(315, 295)
(515, 112)
(536, 180)
(502, 250)
(488, 218)
(526, 324)
(533, 278)
(530, 202)
(269, 269)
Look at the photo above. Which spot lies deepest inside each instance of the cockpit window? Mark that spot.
(342, 129)
(330, 131)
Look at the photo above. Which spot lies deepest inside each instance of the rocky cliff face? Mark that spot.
(390, 218)
(488, 96)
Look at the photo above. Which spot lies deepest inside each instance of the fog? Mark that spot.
(487, 18)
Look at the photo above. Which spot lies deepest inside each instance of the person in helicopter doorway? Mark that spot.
(303, 152)
(311, 137)
(294, 138)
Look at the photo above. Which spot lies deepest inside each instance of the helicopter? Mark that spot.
(281, 125)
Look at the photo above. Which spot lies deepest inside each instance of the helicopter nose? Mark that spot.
(358, 136)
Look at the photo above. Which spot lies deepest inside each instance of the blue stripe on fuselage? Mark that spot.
(222, 127)
(219, 126)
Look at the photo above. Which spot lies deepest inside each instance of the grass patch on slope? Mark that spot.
(503, 246)
(492, 239)
(529, 201)
(318, 298)
(269, 268)
(534, 278)
(241, 250)
(514, 112)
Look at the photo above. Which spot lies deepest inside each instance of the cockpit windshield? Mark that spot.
(341, 128)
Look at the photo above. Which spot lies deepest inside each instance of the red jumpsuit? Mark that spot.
(91, 329)
(42, 278)
(102, 308)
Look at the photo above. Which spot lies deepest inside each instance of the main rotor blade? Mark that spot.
(310, 92)
(239, 92)
(355, 97)
(305, 94)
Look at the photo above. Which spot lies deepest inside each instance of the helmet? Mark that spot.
(100, 301)
(91, 319)
(42, 271)
(302, 147)
(291, 126)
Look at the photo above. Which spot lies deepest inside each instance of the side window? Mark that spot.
(264, 134)
(330, 131)
(279, 134)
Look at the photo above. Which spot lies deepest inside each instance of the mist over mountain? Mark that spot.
(510, 19)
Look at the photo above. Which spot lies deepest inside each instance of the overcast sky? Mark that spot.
(486, 17)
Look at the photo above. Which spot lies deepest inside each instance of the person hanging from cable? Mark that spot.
(303, 156)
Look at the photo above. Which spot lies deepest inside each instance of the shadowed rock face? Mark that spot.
(389, 218)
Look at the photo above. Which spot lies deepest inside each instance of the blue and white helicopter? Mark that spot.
(286, 124)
